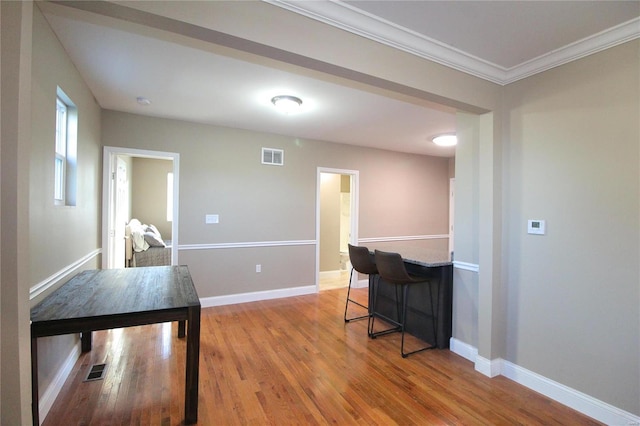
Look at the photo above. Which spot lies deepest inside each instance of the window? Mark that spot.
(61, 150)
(65, 166)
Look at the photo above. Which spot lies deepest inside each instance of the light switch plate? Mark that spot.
(536, 226)
(211, 218)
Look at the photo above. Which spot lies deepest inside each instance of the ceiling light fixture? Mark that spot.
(445, 140)
(286, 103)
(143, 101)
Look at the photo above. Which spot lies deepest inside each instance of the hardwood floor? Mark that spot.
(290, 361)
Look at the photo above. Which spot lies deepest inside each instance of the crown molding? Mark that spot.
(353, 20)
(611, 37)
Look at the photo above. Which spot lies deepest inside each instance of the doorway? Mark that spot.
(336, 226)
(116, 200)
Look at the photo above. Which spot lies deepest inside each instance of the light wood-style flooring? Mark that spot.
(291, 362)
(340, 280)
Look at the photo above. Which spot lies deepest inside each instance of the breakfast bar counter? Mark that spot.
(434, 265)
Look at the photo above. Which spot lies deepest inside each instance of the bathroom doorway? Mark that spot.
(337, 196)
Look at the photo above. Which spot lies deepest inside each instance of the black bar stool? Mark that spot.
(361, 261)
(393, 271)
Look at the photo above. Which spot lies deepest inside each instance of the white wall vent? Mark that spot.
(273, 156)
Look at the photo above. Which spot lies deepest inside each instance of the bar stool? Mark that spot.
(393, 271)
(362, 262)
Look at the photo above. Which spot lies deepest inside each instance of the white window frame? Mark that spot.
(65, 151)
(60, 165)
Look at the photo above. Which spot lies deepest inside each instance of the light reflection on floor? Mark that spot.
(165, 341)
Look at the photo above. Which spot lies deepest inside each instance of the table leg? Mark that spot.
(193, 360)
(35, 409)
(181, 329)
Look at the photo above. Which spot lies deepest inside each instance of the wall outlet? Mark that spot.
(258, 268)
(211, 218)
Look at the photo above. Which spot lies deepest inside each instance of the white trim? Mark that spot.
(463, 349)
(356, 21)
(588, 405)
(473, 267)
(54, 279)
(611, 37)
(403, 238)
(490, 368)
(48, 397)
(346, 17)
(579, 401)
(247, 245)
(256, 296)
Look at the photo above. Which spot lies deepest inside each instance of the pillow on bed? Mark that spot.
(152, 228)
(153, 239)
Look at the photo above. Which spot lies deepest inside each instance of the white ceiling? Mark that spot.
(495, 40)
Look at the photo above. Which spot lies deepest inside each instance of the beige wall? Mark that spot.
(15, 134)
(221, 173)
(329, 222)
(33, 64)
(573, 159)
(51, 227)
(149, 192)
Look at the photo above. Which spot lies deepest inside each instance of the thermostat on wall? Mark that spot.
(536, 226)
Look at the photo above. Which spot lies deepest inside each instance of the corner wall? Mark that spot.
(572, 159)
(15, 86)
(51, 227)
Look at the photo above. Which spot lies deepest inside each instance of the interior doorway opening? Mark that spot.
(336, 226)
(117, 200)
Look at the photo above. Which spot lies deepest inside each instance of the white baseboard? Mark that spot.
(255, 296)
(581, 402)
(463, 349)
(488, 367)
(592, 407)
(50, 394)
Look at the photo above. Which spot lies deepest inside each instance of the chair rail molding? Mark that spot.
(54, 279)
(249, 244)
(466, 266)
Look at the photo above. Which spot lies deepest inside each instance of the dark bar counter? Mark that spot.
(435, 266)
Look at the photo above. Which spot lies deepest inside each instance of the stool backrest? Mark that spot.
(361, 260)
(391, 267)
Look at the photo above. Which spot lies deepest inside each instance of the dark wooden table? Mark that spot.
(115, 298)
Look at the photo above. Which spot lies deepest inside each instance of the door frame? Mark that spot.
(109, 163)
(355, 202)
(452, 204)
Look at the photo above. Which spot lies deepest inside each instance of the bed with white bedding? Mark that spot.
(144, 246)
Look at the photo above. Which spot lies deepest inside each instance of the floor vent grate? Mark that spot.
(96, 373)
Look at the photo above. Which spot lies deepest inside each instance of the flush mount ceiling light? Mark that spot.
(445, 140)
(143, 101)
(286, 103)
